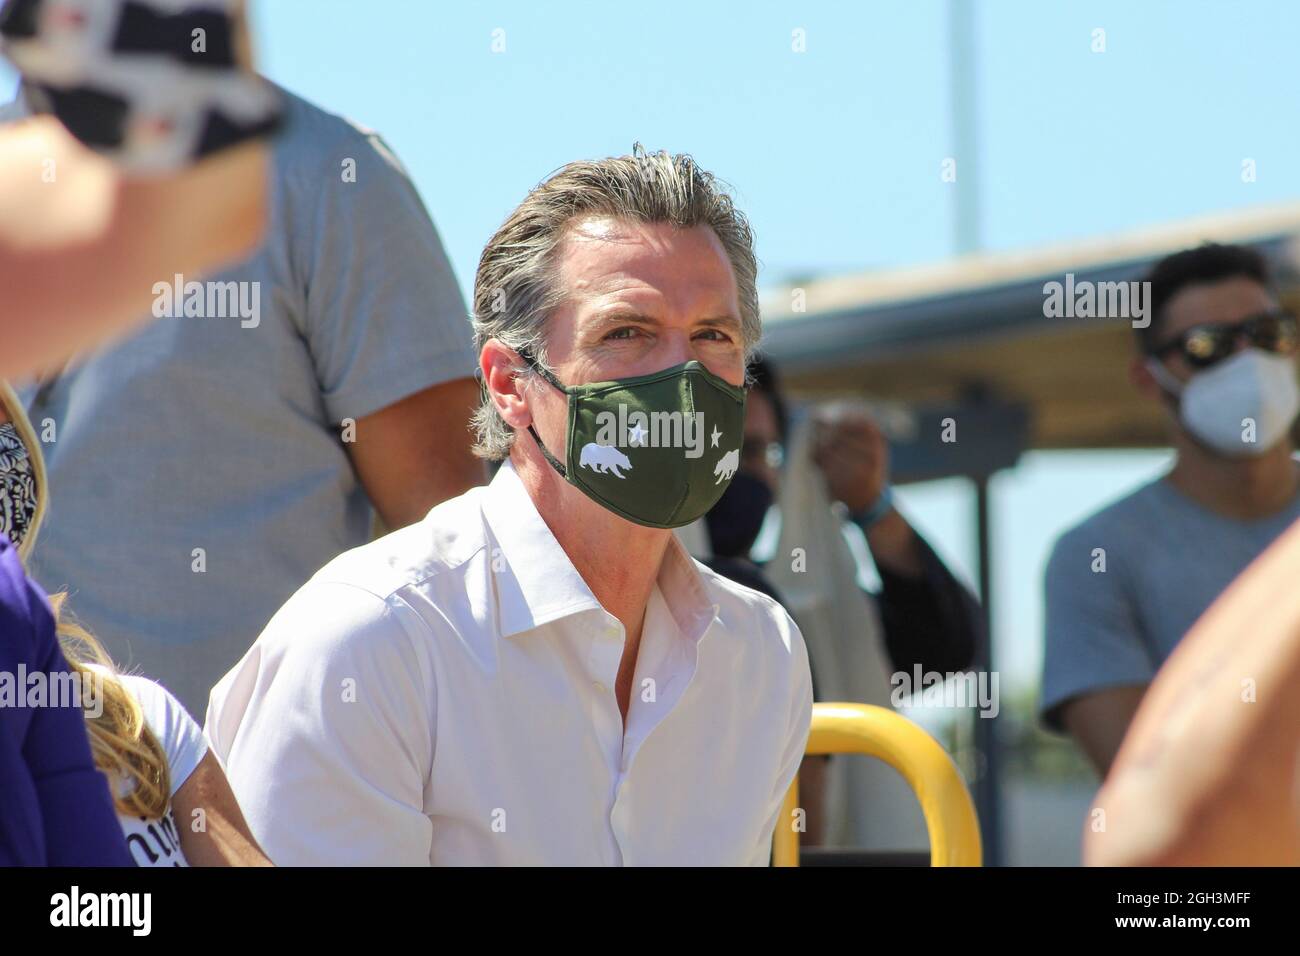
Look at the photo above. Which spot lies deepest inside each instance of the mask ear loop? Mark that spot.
(546, 453)
(1164, 378)
(546, 374)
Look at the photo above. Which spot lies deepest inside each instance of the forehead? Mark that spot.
(683, 269)
(1223, 300)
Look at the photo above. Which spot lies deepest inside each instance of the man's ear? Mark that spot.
(504, 386)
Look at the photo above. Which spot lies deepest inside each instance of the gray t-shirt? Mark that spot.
(1166, 559)
(198, 477)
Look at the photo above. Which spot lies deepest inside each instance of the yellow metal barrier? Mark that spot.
(927, 768)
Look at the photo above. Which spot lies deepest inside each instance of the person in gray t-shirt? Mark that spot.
(1124, 586)
(206, 467)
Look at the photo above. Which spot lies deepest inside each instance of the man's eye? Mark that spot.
(624, 333)
(716, 335)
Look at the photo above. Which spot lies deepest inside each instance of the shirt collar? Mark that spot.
(536, 583)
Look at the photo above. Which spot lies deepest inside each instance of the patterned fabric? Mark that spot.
(17, 486)
(152, 84)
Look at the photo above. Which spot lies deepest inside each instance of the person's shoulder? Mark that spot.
(159, 705)
(163, 711)
(154, 699)
(1122, 518)
(447, 537)
(152, 696)
(183, 741)
(362, 605)
(357, 603)
(748, 612)
(313, 135)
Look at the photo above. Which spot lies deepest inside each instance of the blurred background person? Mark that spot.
(171, 797)
(78, 233)
(208, 465)
(138, 206)
(922, 616)
(116, 234)
(55, 806)
(1209, 771)
(1219, 356)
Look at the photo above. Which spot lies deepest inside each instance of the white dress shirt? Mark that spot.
(445, 695)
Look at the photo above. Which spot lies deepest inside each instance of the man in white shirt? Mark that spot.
(538, 673)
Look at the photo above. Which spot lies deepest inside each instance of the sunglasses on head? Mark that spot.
(1203, 345)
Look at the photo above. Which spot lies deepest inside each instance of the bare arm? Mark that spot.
(1208, 773)
(416, 452)
(79, 255)
(894, 544)
(1098, 722)
(225, 839)
(812, 796)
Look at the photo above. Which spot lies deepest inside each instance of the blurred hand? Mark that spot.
(852, 453)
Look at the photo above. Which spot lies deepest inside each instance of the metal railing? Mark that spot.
(879, 732)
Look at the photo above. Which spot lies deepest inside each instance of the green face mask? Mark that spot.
(657, 449)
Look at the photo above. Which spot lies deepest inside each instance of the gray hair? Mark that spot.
(515, 288)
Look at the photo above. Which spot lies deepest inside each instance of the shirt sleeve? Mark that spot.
(384, 316)
(800, 722)
(326, 732)
(70, 820)
(932, 621)
(181, 737)
(1093, 636)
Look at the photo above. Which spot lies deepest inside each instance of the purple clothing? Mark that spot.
(55, 806)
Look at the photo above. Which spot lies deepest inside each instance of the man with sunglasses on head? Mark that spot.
(1124, 586)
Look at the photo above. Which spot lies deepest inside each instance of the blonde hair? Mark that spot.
(121, 742)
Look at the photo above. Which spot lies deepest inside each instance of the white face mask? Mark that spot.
(1240, 407)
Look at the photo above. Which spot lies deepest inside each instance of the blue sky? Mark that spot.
(835, 152)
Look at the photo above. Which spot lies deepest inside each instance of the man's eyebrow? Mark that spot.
(729, 321)
(615, 316)
(624, 315)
